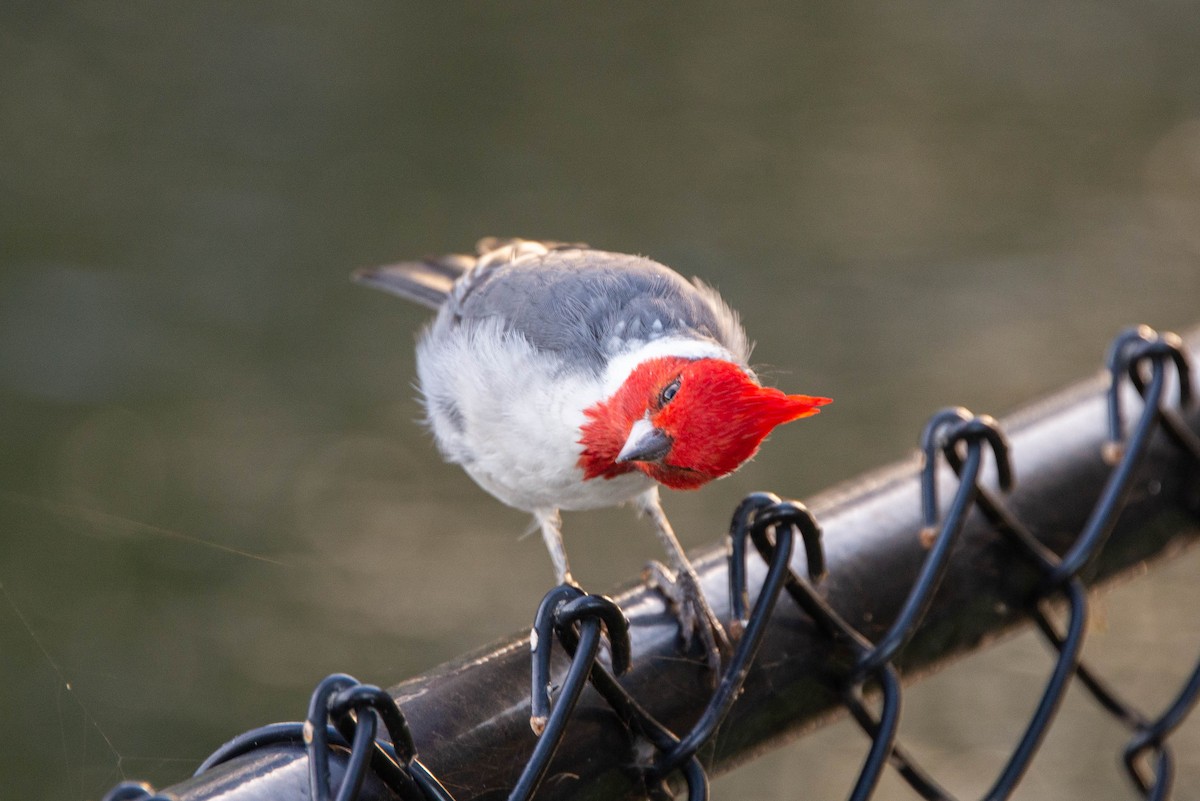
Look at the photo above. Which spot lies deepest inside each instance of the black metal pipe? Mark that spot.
(470, 718)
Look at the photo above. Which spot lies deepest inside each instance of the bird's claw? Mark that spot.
(696, 618)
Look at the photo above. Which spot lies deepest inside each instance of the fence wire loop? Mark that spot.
(1133, 350)
(882, 730)
(783, 518)
(945, 432)
(757, 512)
(568, 607)
(345, 714)
(578, 620)
(632, 715)
(133, 791)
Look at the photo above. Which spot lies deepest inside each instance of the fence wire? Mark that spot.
(366, 723)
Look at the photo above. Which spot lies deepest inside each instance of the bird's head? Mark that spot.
(684, 422)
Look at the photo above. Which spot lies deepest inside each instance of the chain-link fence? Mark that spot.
(909, 578)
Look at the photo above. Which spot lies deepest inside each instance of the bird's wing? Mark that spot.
(584, 305)
(590, 305)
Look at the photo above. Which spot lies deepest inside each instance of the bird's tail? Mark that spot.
(427, 282)
(431, 280)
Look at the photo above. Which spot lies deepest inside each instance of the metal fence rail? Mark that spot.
(922, 561)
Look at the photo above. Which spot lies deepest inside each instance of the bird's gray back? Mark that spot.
(588, 305)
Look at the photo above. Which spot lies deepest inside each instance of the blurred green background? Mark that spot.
(213, 490)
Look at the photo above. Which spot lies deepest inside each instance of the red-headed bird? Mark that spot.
(562, 377)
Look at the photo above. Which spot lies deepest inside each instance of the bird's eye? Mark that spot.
(668, 392)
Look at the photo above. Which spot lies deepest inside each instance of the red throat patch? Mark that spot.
(716, 417)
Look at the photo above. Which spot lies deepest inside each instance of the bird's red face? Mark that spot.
(685, 422)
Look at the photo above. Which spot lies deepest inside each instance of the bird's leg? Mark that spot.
(681, 585)
(550, 521)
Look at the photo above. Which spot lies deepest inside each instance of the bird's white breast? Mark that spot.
(511, 416)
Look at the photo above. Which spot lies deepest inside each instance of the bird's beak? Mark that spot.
(645, 444)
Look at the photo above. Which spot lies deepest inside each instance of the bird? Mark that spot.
(562, 377)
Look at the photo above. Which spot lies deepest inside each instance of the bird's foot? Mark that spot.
(696, 618)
